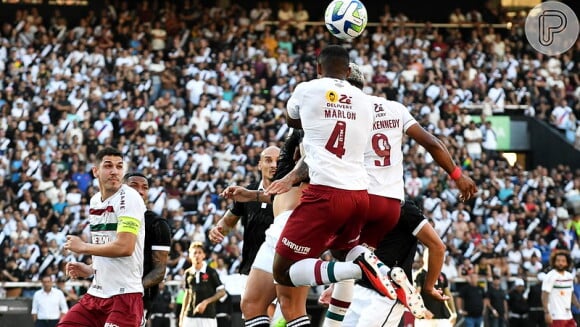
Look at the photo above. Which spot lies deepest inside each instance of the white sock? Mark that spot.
(341, 298)
(314, 272)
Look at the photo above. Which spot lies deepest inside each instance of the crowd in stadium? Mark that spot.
(192, 95)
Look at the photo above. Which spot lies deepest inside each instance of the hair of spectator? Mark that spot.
(108, 151)
(195, 245)
(334, 61)
(135, 174)
(558, 253)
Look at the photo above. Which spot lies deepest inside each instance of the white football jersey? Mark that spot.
(384, 154)
(122, 212)
(560, 286)
(337, 120)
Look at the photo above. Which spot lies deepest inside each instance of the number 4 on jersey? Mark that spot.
(335, 142)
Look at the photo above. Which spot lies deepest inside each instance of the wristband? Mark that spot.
(456, 173)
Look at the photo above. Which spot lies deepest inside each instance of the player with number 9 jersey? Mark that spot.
(384, 165)
(384, 155)
(337, 122)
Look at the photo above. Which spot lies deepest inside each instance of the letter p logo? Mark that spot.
(552, 28)
(551, 22)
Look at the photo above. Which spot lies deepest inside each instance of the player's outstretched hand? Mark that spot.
(200, 308)
(78, 269)
(216, 234)
(436, 294)
(466, 186)
(278, 187)
(324, 298)
(238, 193)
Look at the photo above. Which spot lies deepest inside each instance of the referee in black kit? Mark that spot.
(256, 216)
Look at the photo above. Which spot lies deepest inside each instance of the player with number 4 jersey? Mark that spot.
(337, 120)
(335, 131)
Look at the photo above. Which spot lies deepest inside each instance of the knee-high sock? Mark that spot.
(303, 321)
(259, 321)
(317, 272)
(339, 303)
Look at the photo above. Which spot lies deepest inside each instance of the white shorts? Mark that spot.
(370, 309)
(432, 323)
(265, 257)
(199, 322)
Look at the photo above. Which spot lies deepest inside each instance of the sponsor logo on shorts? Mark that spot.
(110, 324)
(295, 247)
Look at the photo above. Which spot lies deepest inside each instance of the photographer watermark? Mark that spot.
(552, 28)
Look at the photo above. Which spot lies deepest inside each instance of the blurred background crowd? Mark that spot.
(191, 94)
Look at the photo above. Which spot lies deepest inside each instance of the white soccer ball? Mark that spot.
(346, 19)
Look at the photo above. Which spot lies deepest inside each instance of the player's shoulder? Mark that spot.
(253, 185)
(129, 192)
(552, 274)
(95, 199)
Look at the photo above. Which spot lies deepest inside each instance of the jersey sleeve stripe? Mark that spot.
(418, 228)
(160, 248)
(409, 124)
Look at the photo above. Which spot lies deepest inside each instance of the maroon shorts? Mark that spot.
(382, 217)
(563, 323)
(124, 310)
(326, 218)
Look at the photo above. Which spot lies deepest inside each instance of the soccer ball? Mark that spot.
(346, 19)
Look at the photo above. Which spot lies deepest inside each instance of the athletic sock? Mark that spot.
(299, 322)
(339, 303)
(314, 272)
(259, 321)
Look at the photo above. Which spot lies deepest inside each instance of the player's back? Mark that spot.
(337, 121)
(384, 155)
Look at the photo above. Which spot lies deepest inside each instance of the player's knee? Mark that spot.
(282, 277)
(291, 308)
(281, 271)
(252, 308)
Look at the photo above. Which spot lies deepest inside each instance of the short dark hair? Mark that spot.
(334, 58)
(135, 174)
(108, 151)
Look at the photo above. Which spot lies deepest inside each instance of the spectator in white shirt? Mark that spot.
(103, 127)
(562, 116)
(413, 185)
(48, 304)
(473, 138)
(449, 268)
(489, 143)
(497, 96)
(534, 266)
(529, 251)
